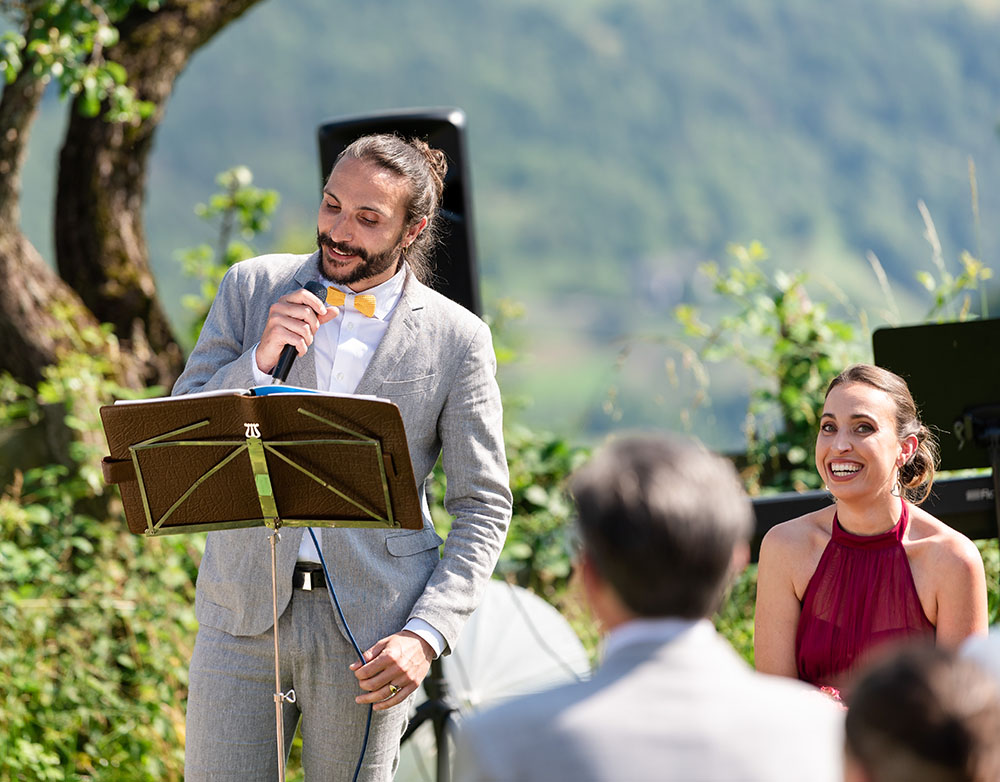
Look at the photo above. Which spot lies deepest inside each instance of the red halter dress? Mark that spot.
(861, 595)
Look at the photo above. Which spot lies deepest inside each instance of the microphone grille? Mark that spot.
(317, 290)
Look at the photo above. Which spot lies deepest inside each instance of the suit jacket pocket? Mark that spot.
(409, 543)
(418, 385)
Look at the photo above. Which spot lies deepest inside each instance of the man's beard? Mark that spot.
(371, 265)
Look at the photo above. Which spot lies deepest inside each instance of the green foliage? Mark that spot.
(65, 40)
(734, 619)
(240, 208)
(96, 625)
(508, 312)
(990, 552)
(538, 550)
(791, 347)
(947, 289)
(766, 322)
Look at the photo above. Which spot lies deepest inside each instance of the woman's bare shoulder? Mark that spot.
(790, 551)
(795, 546)
(808, 531)
(949, 575)
(937, 541)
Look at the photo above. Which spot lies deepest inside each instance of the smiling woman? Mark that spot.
(872, 569)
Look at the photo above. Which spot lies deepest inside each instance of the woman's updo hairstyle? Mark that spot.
(424, 169)
(916, 476)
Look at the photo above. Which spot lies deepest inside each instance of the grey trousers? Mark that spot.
(230, 732)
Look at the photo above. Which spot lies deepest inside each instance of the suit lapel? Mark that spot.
(399, 337)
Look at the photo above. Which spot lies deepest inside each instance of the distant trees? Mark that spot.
(117, 60)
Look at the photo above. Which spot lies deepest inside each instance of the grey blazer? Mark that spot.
(687, 710)
(436, 363)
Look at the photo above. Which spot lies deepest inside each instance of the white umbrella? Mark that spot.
(515, 643)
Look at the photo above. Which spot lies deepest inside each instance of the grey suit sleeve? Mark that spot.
(220, 358)
(478, 495)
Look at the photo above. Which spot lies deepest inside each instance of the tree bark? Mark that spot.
(18, 109)
(101, 245)
(38, 310)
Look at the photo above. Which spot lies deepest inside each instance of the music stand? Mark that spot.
(950, 372)
(233, 459)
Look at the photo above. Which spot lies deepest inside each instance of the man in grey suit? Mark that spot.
(663, 525)
(404, 602)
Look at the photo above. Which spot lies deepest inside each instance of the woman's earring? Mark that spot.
(897, 486)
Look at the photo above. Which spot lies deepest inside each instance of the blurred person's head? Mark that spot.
(984, 650)
(663, 525)
(923, 715)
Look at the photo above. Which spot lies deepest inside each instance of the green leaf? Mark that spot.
(106, 36)
(537, 495)
(116, 72)
(925, 279)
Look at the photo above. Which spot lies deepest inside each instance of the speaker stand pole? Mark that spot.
(438, 709)
(981, 425)
(994, 447)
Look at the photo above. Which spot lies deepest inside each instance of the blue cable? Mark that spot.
(350, 635)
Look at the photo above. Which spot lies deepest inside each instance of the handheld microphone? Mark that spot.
(288, 353)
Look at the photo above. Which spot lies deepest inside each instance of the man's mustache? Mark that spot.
(343, 247)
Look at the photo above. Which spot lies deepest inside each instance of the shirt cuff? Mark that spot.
(428, 633)
(259, 378)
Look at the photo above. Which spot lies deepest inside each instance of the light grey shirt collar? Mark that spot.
(652, 630)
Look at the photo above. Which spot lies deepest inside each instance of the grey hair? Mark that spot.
(660, 519)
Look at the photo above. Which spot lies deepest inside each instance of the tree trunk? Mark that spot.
(38, 311)
(18, 109)
(100, 240)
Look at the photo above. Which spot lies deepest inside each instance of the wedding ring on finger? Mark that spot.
(393, 689)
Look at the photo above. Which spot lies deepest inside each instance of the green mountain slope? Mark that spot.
(614, 146)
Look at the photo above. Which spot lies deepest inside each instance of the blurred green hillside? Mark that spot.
(615, 145)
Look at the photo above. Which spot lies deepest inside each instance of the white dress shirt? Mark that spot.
(343, 349)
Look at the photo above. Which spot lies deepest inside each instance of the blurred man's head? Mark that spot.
(924, 715)
(662, 523)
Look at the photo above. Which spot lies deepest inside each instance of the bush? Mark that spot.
(96, 625)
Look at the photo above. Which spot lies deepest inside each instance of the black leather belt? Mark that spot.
(308, 577)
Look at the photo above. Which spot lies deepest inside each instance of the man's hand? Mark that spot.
(394, 669)
(292, 320)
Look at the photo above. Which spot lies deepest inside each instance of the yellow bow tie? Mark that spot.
(363, 302)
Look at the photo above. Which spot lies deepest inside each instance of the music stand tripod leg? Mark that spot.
(279, 696)
(269, 511)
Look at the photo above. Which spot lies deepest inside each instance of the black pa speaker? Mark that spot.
(454, 260)
(950, 369)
